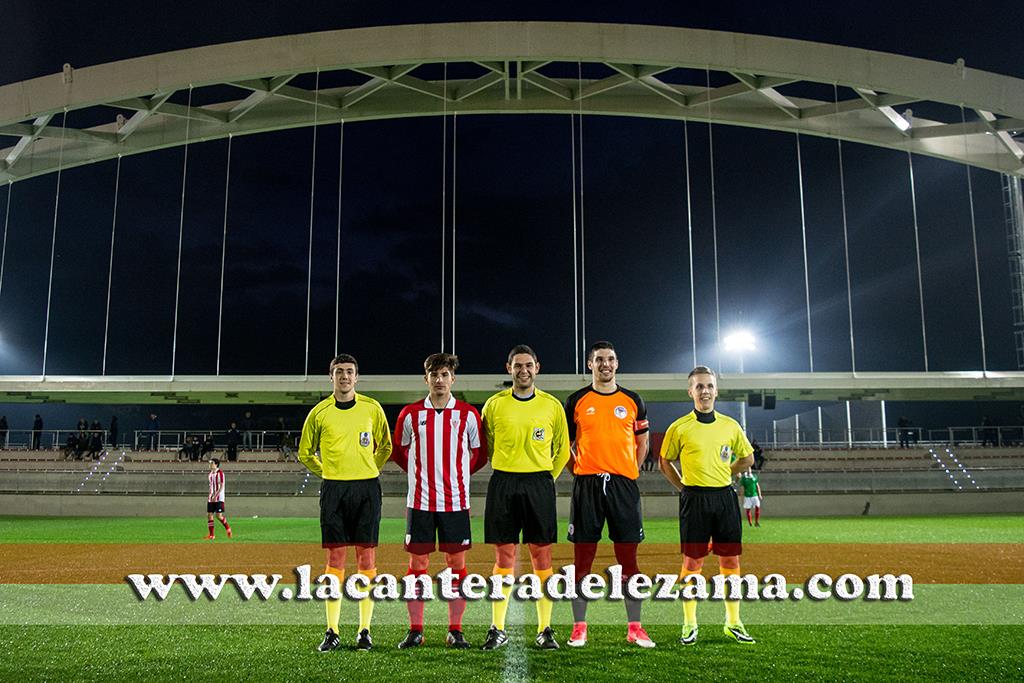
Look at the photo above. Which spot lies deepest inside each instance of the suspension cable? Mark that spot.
(917, 254)
(974, 247)
(583, 227)
(337, 271)
(846, 238)
(444, 192)
(110, 266)
(714, 216)
(575, 251)
(689, 240)
(223, 252)
(803, 235)
(53, 239)
(181, 232)
(455, 137)
(7, 220)
(312, 196)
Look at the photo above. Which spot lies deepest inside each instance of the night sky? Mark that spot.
(514, 214)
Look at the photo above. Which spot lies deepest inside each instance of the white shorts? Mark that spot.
(752, 502)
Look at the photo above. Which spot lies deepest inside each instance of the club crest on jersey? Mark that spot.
(455, 421)
(538, 433)
(725, 454)
(364, 439)
(620, 412)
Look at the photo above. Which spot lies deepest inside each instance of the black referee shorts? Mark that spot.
(709, 515)
(597, 498)
(427, 530)
(520, 502)
(350, 512)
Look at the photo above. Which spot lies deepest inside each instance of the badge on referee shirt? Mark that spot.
(725, 454)
(364, 439)
(538, 433)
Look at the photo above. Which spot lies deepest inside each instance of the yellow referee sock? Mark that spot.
(366, 604)
(544, 605)
(732, 607)
(499, 608)
(689, 606)
(334, 606)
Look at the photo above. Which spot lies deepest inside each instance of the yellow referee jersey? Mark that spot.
(353, 439)
(526, 435)
(705, 451)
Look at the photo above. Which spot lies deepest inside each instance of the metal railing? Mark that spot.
(251, 440)
(891, 437)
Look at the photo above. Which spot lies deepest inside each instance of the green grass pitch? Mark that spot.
(99, 632)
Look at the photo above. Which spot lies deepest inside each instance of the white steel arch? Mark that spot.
(252, 87)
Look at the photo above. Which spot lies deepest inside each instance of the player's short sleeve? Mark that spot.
(473, 427)
(640, 425)
(570, 413)
(741, 447)
(404, 437)
(670, 444)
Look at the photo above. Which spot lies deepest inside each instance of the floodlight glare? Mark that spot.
(740, 340)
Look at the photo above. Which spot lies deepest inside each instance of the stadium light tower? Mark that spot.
(740, 342)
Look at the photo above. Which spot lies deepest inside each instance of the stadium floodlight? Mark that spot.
(740, 341)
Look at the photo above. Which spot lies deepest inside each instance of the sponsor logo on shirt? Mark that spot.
(620, 412)
(591, 410)
(538, 433)
(423, 420)
(364, 439)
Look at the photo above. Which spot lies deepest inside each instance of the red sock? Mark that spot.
(749, 521)
(457, 607)
(224, 521)
(757, 514)
(209, 524)
(416, 606)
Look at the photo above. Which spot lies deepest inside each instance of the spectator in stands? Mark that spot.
(154, 432)
(758, 454)
(285, 443)
(247, 426)
(988, 434)
(70, 446)
(3, 432)
(904, 431)
(95, 439)
(113, 431)
(234, 438)
(37, 432)
(208, 446)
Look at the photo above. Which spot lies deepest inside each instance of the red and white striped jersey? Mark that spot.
(216, 478)
(439, 449)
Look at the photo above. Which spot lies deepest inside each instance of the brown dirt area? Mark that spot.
(110, 563)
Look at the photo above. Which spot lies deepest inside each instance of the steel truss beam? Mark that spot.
(658, 72)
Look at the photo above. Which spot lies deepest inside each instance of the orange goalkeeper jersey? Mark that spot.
(605, 427)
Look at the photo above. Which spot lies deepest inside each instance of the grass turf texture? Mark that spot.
(925, 529)
(287, 653)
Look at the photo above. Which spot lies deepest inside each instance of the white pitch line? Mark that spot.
(517, 668)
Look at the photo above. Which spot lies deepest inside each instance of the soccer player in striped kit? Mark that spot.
(440, 443)
(215, 499)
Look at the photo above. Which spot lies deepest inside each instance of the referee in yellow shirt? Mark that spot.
(529, 442)
(711, 449)
(346, 440)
